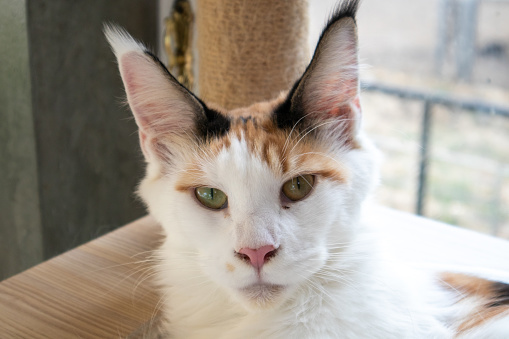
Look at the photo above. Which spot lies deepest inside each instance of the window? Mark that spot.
(450, 59)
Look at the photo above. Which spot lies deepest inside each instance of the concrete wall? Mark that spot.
(20, 222)
(69, 154)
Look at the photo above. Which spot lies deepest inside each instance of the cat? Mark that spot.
(261, 209)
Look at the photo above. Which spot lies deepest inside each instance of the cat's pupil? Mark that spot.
(299, 187)
(211, 197)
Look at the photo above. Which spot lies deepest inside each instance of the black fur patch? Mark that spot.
(500, 294)
(214, 125)
(209, 125)
(290, 113)
(287, 118)
(345, 9)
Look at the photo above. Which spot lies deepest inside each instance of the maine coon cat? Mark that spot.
(261, 210)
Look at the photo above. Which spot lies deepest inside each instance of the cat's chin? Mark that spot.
(262, 295)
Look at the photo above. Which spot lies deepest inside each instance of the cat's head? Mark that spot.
(258, 198)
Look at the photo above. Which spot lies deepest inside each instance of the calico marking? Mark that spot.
(286, 155)
(491, 298)
(501, 293)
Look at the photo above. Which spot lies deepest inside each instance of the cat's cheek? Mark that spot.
(230, 274)
(313, 222)
(207, 232)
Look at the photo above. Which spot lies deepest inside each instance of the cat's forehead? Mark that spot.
(254, 139)
(260, 113)
(254, 131)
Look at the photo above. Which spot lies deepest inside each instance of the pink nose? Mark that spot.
(259, 256)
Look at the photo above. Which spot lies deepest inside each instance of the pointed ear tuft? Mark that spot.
(332, 78)
(159, 103)
(120, 41)
(329, 89)
(161, 106)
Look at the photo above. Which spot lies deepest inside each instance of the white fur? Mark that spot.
(336, 285)
(327, 280)
(121, 42)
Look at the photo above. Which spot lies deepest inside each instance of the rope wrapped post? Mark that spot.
(249, 51)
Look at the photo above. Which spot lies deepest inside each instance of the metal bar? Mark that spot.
(437, 98)
(423, 158)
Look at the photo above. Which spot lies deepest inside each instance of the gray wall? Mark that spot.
(69, 154)
(20, 222)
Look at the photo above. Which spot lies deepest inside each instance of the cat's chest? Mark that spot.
(323, 322)
(314, 312)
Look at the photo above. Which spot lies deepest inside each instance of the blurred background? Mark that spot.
(436, 103)
(435, 100)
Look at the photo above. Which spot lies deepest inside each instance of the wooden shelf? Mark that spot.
(98, 290)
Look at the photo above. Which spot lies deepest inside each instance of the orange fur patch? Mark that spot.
(230, 267)
(287, 155)
(492, 298)
(191, 178)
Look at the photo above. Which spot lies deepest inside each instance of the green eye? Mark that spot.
(299, 187)
(211, 197)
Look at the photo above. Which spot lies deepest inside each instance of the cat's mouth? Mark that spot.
(262, 294)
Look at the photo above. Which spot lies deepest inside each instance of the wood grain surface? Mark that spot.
(98, 290)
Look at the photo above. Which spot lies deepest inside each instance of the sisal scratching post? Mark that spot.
(249, 51)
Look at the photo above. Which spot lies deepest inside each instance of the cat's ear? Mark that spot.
(327, 94)
(161, 106)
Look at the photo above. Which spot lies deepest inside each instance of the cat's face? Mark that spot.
(250, 164)
(257, 198)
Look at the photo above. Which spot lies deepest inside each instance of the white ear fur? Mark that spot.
(121, 42)
(159, 103)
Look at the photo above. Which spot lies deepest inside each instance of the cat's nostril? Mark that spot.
(271, 254)
(257, 257)
(242, 256)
